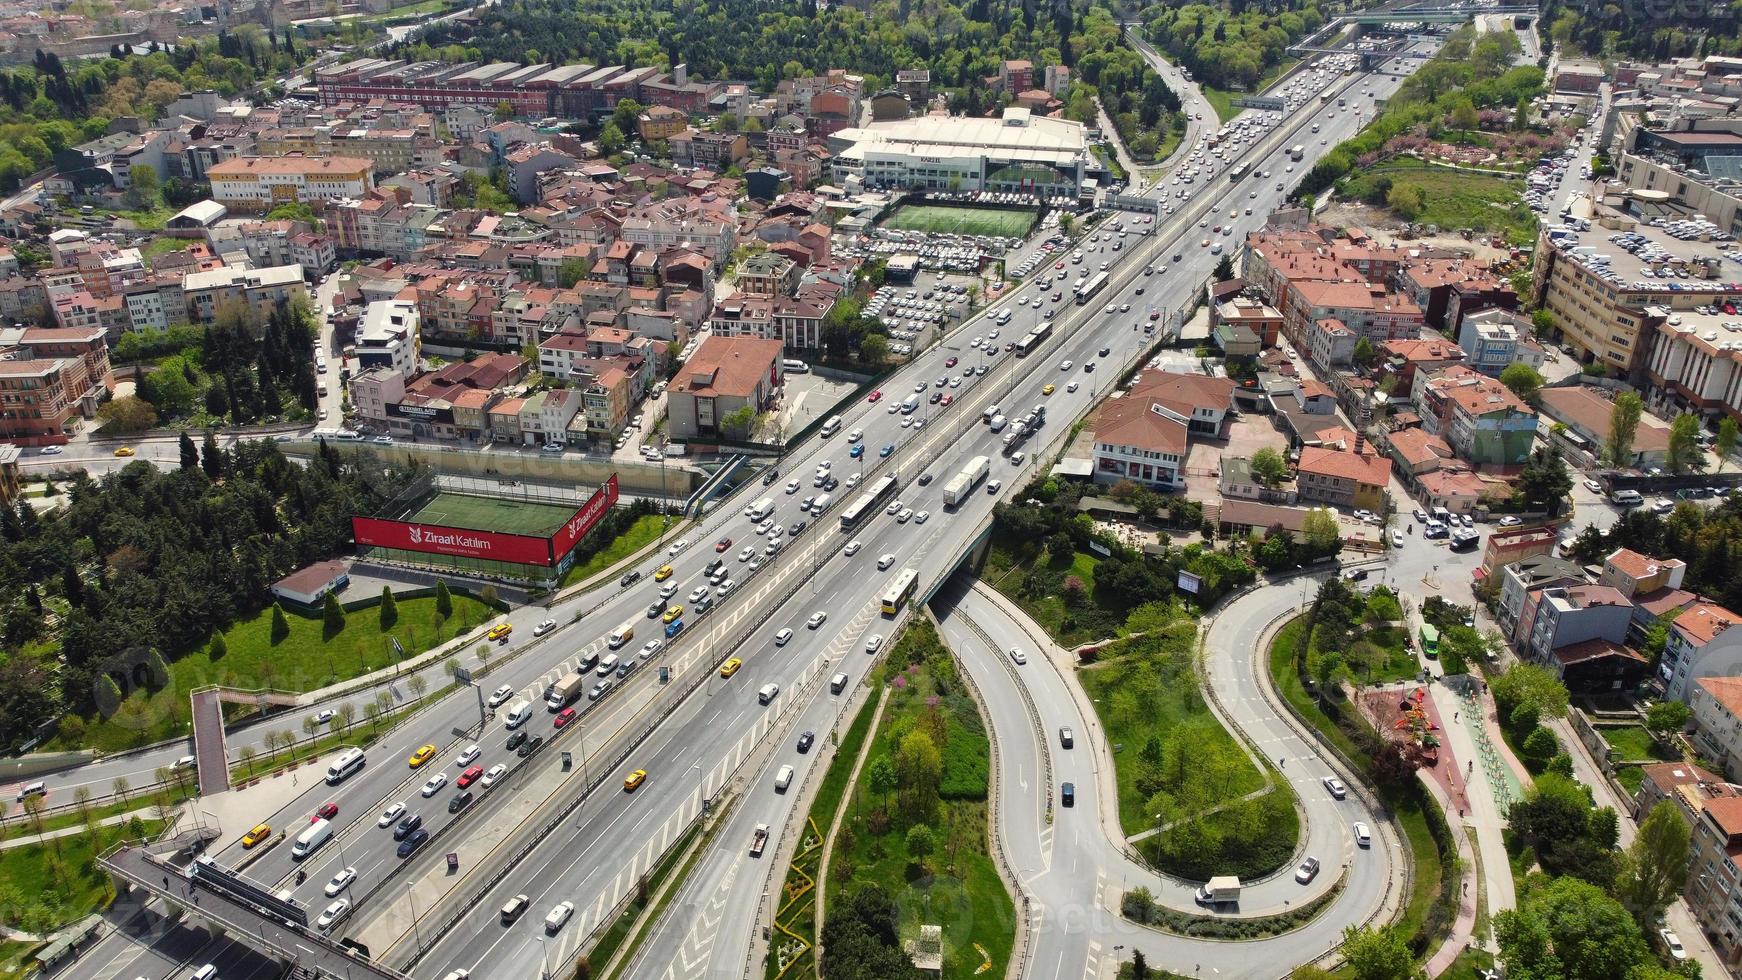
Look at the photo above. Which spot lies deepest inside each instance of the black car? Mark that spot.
(629, 578)
(937, 396)
(1089, 367)
(714, 566)
(830, 484)
(655, 609)
(413, 842)
(770, 476)
(1105, 351)
(925, 479)
(806, 740)
(516, 739)
(1068, 794)
(796, 528)
(531, 746)
(460, 802)
(407, 826)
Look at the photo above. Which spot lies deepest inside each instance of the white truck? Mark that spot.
(1220, 890)
(759, 840)
(963, 483)
(565, 690)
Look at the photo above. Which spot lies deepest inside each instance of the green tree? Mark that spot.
(1653, 869)
(1684, 444)
(572, 271)
(920, 768)
(127, 415)
(1378, 954)
(1224, 269)
(190, 454)
(1533, 686)
(920, 843)
(611, 139)
(1524, 381)
(444, 600)
(1725, 443)
(144, 190)
(217, 649)
(1569, 930)
(212, 459)
(389, 609)
(1544, 482)
(1364, 356)
(1269, 467)
(1665, 718)
(737, 424)
(333, 615)
(881, 779)
(1539, 746)
(280, 625)
(1624, 417)
(1320, 531)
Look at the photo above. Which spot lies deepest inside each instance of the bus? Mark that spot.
(1297, 151)
(1238, 171)
(900, 591)
(867, 503)
(1087, 290)
(1033, 340)
(1430, 641)
(1325, 97)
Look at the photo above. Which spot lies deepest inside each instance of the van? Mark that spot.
(1363, 836)
(1626, 498)
(989, 414)
(783, 779)
(34, 789)
(620, 636)
(837, 683)
(821, 503)
(346, 765)
(313, 836)
(607, 665)
(909, 404)
(998, 422)
(795, 367)
(1442, 515)
(832, 426)
(767, 693)
(207, 972)
(519, 714)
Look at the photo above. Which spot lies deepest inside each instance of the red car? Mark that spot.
(947, 399)
(565, 716)
(1155, 314)
(950, 363)
(1059, 266)
(875, 395)
(722, 544)
(469, 777)
(327, 812)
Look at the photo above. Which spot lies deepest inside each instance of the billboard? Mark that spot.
(436, 539)
(576, 527)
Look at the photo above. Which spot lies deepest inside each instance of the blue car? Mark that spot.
(673, 628)
(857, 451)
(886, 450)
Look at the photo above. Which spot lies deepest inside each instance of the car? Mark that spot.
(499, 632)
(698, 593)
(796, 528)
(125, 451)
(50, 451)
(1396, 538)
(852, 548)
(1673, 944)
(771, 548)
(435, 783)
(327, 811)
(905, 515)
(747, 552)
(1363, 836)
(651, 647)
(256, 835)
(340, 882)
(887, 450)
(516, 740)
(1018, 657)
(677, 546)
(389, 815)
(634, 780)
(893, 509)
(665, 572)
(470, 776)
(494, 773)
(629, 578)
(544, 627)
(558, 916)
(1308, 870)
(1336, 787)
(468, 756)
(1067, 794)
(721, 545)
(873, 642)
(410, 845)
(806, 740)
(730, 667)
(1064, 365)
(993, 486)
(407, 826)
(817, 619)
(1593, 486)
(1510, 521)
(333, 913)
(874, 396)
(922, 516)
(530, 746)
(460, 801)
(672, 614)
(857, 452)
(654, 608)
(1072, 387)
(563, 717)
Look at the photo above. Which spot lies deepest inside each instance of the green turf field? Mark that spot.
(941, 219)
(494, 514)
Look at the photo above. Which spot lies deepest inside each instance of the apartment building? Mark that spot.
(1494, 339)
(388, 337)
(260, 289)
(41, 397)
(1480, 418)
(1342, 478)
(1717, 719)
(1522, 583)
(1565, 615)
(262, 183)
(1701, 644)
(724, 376)
(1714, 886)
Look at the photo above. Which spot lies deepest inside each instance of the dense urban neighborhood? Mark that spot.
(870, 490)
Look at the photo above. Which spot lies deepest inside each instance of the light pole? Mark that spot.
(544, 959)
(701, 792)
(416, 930)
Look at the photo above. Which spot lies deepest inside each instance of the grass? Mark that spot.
(305, 660)
(957, 885)
(500, 514)
(154, 220)
(13, 958)
(49, 885)
(1012, 562)
(643, 532)
(951, 220)
(1381, 656)
(423, 8)
(1222, 102)
(138, 798)
(1470, 965)
(1455, 199)
(1631, 777)
(1633, 742)
(163, 245)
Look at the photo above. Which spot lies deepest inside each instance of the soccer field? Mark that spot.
(940, 219)
(494, 514)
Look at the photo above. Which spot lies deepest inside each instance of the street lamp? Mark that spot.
(415, 929)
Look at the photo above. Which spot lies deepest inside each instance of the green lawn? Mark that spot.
(1469, 965)
(1222, 102)
(1382, 656)
(163, 245)
(1455, 199)
(49, 885)
(501, 514)
(1033, 577)
(957, 885)
(14, 958)
(305, 660)
(642, 533)
(948, 219)
(1633, 742)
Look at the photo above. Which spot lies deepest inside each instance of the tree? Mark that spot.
(737, 424)
(880, 777)
(333, 615)
(1665, 718)
(310, 728)
(417, 684)
(144, 190)
(1224, 269)
(920, 768)
(190, 454)
(1653, 869)
(1544, 482)
(611, 139)
(920, 843)
(1269, 467)
(212, 459)
(444, 600)
(1684, 444)
(1464, 116)
(127, 415)
(1534, 686)
(1378, 954)
(389, 608)
(1364, 355)
(1539, 746)
(1725, 443)
(1320, 532)
(1524, 381)
(1569, 930)
(572, 271)
(1460, 645)
(874, 349)
(280, 625)
(1623, 426)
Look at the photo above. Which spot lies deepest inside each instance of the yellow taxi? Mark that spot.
(730, 667)
(671, 613)
(500, 630)
(255, 836)
(663, 573)
(634, 780)
(1049, 389)
(421, 756)
(125, 451)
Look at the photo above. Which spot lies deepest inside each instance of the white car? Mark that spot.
(390, 815)
(1072, 387)
(322, 717)
(782, 638)
(677, 546)
(893, 508)
(851, 549)
(746, 553)
(922, 517)
(435, 784)
(1593, 486)
(1510, 521)
(1336, 787)
(698, 593)
(334, 912)
(495, 772)
(544, 627)
(558, 916)
(1396, 539)
(1064, 365)
(993, 486)
(1673, 943)
(884, 562)
(468, 756)
(771, 547)
(905, 515)
(341, 881)
(817, 619)
(872, 642)
(791, 486)
(1018, 657)
(651, 647)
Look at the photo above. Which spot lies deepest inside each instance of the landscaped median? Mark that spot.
(1140, 906)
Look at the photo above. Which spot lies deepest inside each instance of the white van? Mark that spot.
(1626, 498)
(998, 422)
(832, 426)
(207, 972)
(767, 693)
(619, 636)
(783, 779)
(347, 764)
(909, 403)
(607, 665)
(821, 503)
(519, 714)
(313, 836)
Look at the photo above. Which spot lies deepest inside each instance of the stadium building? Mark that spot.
(1017, 152)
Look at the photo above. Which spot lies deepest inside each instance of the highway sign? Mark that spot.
(1134, 202)
(1260, 102)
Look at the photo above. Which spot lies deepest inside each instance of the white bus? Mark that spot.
(867, 503)
(900, 591)
(345, 766)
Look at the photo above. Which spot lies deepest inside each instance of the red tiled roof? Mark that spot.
(1359, 467)
(1703, 622)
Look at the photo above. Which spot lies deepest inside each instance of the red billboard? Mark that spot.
(576, 527)
(436, 539)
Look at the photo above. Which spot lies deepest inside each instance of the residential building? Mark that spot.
(1341, 478)
(1521, 584)
(1144, 435)
(1717, 718)
(260, 289)
(1495, 339)
(725, 376)
(1714, 886)
(1565, 615)
(39, 399)
(1480, 418)
(1635, 575)
(1700, 644)
(263, 183)
(388, 337)
(1682, 783)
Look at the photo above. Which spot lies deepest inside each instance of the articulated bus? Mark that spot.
(1087, 290)
(900, 591)
(1238, 171)
(1034, 339)
(867, 503)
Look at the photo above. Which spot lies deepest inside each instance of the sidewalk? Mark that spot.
(147, 813)
(1486, 817)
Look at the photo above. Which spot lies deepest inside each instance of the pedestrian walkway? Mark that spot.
(148, 813)
(1490, 789)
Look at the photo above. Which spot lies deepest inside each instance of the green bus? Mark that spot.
(1430, 641)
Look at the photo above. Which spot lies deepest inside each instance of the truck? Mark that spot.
(1297, 151)
(760, 510)
(759, 840)
(314, 836)
(963, 483)
(565, 690)
(1220, 890)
